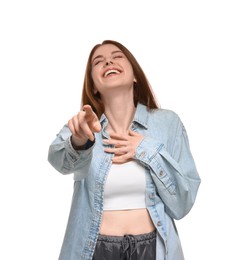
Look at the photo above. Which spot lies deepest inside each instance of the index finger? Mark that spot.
(87, 109)
(89, 113)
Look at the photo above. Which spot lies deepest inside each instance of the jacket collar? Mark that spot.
(140, 117)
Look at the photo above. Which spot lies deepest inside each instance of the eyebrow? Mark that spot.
(101, 56)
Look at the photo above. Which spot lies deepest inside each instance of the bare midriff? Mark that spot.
(122, 222)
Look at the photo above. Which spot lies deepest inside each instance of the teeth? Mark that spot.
(111, 72)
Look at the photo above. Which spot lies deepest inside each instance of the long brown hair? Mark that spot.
(142, 90)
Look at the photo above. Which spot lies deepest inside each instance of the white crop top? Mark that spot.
(125, 187)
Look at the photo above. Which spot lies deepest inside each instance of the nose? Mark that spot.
(108, 62)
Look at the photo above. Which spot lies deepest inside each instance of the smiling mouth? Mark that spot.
(111, 72)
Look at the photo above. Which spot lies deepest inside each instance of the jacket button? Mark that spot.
(161, 173)
(159, 224)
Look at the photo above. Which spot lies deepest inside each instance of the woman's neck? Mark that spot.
(120, 111)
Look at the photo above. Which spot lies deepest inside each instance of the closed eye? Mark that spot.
(97, 62)
(118, 56)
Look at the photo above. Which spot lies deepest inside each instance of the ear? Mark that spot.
(134, 80)
(95, 91)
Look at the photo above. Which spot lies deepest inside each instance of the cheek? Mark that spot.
(93, 73)
(130, 71)
(131, 75)
(96, 82)
(94, 76)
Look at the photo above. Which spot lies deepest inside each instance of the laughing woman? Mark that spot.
(133, 169)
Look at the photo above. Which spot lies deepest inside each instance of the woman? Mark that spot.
(133, 169)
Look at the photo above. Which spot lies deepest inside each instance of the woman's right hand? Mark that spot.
(83, 125)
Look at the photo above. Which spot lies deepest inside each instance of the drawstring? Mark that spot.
(128, 247)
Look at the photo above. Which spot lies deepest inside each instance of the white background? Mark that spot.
(192, 53)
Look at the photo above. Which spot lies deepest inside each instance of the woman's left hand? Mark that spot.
(124, 146)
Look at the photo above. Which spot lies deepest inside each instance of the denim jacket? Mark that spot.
(172, 181)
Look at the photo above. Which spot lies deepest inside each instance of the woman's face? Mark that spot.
(111, 69)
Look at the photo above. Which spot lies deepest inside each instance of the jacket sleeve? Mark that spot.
(174, 173)
(65, 159)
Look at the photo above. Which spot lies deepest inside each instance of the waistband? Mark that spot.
(119, 239)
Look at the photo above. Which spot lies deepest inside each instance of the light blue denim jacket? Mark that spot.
(172, 181)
